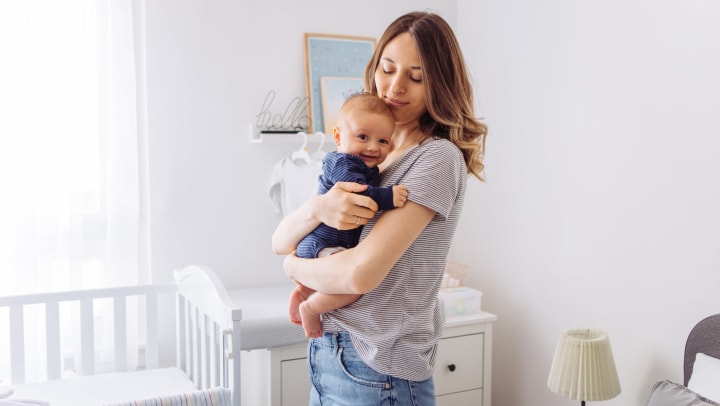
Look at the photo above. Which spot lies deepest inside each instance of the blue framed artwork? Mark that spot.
(339, 56)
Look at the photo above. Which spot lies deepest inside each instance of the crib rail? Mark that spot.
(208, 330)
(202, 346)
(16, 306)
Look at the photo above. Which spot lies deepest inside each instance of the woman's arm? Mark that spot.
(339, 208)
(361, 269)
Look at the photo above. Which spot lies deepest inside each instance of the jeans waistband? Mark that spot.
(336, 339)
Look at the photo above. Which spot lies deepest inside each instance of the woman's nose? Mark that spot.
(397, 86)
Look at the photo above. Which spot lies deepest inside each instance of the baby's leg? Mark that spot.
(298, 295)
(317, 304)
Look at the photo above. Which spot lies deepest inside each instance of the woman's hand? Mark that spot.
(288, 265)
(342, 208)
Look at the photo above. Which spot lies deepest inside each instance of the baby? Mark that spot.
(364, 128)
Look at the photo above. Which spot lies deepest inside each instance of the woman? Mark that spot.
(380, 350)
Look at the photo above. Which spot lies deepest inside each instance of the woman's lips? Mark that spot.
(395, 102)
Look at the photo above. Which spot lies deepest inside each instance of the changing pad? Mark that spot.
(265, 321)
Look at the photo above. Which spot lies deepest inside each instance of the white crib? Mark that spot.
(209, 327)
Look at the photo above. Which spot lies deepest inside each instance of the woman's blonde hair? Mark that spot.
(450, 110)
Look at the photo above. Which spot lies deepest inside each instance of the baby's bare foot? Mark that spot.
(296, 298)
(310, 321)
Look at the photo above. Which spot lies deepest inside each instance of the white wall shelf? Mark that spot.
(258, 136)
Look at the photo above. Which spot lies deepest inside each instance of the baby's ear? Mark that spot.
(336, 135)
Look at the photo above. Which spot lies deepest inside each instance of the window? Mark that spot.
(69, 147)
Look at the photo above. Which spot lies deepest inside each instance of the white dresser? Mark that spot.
(278, 376)
(464, 361)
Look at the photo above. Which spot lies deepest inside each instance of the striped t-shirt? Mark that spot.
(395, 327)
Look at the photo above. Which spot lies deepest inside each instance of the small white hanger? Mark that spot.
(301, 155)
(319, 154)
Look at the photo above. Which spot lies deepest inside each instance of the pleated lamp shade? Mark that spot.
(583, 367)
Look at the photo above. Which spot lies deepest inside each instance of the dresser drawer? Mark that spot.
(294, 382)
(470, 398)
(459, 364)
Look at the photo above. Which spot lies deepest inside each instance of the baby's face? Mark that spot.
(366, 135)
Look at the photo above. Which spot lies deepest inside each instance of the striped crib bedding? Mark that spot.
(209, 397)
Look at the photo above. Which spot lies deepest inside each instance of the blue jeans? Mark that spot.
(340, 377)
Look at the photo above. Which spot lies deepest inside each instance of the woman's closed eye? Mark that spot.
(413, 78)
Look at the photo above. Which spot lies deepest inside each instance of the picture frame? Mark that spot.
(334, 91)
(332, 55)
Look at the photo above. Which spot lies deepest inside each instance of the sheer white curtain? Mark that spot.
(69, 164)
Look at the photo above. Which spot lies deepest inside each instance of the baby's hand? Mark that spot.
(400, 195)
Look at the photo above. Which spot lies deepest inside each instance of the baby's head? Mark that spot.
(364, 128)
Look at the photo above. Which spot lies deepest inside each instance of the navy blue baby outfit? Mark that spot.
(341, 167)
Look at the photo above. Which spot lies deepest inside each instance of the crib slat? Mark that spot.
(214, 359)
(87, 339)
(189, 337)
(187, 334)
(190, 326)
(17, 344)
(194, 346)
(236, 361)
(204, 362)
(224, 362)
(181, 331)
(152, 356)
(52, 339)
(119, 332)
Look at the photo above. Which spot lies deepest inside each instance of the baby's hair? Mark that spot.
(367, 102)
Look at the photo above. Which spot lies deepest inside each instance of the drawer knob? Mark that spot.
(451, 367)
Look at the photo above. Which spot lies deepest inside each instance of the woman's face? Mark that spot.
(399, 79)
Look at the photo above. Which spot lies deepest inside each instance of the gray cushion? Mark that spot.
(666, 393)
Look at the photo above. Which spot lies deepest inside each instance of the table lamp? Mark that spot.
(583, 367)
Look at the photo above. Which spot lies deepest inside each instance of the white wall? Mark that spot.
(601, 206)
